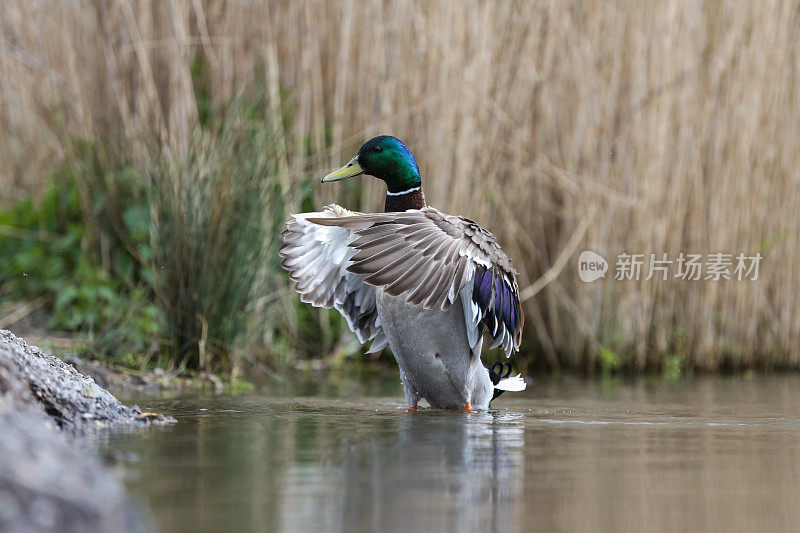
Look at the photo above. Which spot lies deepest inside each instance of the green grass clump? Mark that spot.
(215, 209)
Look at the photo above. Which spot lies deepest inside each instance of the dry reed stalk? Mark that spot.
(679, 121)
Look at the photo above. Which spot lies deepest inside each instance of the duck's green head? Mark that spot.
(386, 158)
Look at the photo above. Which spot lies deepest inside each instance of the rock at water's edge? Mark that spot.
(49, 481)
(72, 399)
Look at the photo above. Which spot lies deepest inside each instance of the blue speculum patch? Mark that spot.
(505, 310)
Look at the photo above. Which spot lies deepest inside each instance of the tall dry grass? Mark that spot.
(613, 126)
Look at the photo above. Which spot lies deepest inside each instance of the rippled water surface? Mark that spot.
(703, 454)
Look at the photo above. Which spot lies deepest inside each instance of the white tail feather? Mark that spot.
(512, 384)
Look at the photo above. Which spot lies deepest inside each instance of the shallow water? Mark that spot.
(702, 454)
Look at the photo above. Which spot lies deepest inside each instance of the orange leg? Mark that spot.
(411, 409)
(468, 408)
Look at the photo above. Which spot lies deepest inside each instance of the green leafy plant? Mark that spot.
(46, 252)
(609, 360)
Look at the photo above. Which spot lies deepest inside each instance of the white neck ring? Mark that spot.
(403, 192)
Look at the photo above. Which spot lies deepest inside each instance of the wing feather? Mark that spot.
(317, 257)
(431, 257)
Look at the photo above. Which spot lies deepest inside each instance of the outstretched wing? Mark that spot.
(434, 258)
(317, 257)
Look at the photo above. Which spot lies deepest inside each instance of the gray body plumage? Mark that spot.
(438, 365)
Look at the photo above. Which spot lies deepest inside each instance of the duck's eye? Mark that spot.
(378, 148)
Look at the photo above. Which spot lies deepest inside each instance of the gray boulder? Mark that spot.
(50, 481)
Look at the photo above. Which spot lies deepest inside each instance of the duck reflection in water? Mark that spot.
(434, 472)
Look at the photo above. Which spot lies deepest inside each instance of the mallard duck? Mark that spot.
(428, 284)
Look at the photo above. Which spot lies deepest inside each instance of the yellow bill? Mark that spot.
(348, 171)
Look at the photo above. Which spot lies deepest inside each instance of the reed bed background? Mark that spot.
(639, 127)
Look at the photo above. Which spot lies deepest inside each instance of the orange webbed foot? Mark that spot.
(411, 409)
(468, 408)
